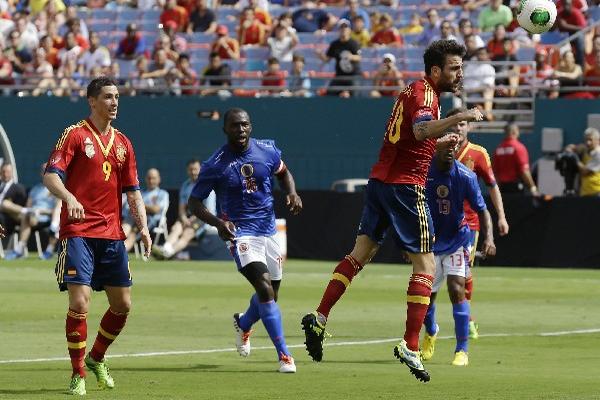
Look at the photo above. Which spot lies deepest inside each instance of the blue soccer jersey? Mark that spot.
(446, 193)
(243, 184)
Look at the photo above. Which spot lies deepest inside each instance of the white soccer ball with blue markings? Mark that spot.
(536, 16)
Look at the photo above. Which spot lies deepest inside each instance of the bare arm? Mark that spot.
(137, 209)
(528, 179)
(226, 228)
(488, 248)
(292, 200)
(56, 186)
(499, 207)
(438, 128)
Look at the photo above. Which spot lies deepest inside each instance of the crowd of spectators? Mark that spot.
(53, 47)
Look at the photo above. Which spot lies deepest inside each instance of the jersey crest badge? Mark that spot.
(442, 191)
(250, 185)
(89, 147)
(121, 153)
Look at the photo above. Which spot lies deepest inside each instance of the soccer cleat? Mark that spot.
(315, 335)
(99, 368)
(77, 386)
(473, 330)
(46, 255)
(428, 345)
(412, 359)
(461, 359)
(158, 252)
(286, 364)
(13, 255)
(242, 339)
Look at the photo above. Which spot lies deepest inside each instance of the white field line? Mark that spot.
(330, 344)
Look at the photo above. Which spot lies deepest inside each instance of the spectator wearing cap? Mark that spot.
(387, 76)
(282, 43)
(346, 53)
(175, 13)
(359, 32)
(299, 81)
(252, 31)
(388, 35)
(227, 47)
(132, 45)
(353, 11)
(202, 19)
(495, 13)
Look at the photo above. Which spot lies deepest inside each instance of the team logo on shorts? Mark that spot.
(89, 147)
(442, 191)
(244, 247)
(121, 152)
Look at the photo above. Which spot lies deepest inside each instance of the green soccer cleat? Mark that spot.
(412, 359)
(428, 345)
(315, 335)
(77, 386)
(99, 368)
(473, 330)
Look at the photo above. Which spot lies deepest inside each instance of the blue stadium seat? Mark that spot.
(553, 37)
(125, 67)
(411, 39)
(256, 52)
(107, 27)
(200, 37)
(224, 12)
(255, 65)
(129, 14)
(309, 38)
(371, 52)
(199, 54)
(100, 13)
(151, 15)
(594, 13)
(526, 54)
(414, 53)
(416, 65)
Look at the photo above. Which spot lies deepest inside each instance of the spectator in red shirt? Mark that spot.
(581, 5)
(5, 68)
(186, 78)
(252, 31)
(274, 78)
(388, 35)
(387, 76)
(571, 20)
(590, 58)
(132, 45)
(592, 76)
(511, 163)
(175, 13)
(496, 44)
(260, 14)
(74, 25)
(227, 47)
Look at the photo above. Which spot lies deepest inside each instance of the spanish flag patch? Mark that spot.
(71, 272)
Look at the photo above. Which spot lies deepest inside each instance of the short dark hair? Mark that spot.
(183, 56)
(272, 60)
(214, 54)
(233, 111)
(455, 111)
(95, 86)
(436, 53)
(297, 57)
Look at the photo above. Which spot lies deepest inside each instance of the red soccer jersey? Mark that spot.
(403, 158)
(477, 159)
(511, 159)
(96, 169)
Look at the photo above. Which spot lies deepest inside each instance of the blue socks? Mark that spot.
(251, 316)
(430, 324)
(461, 312)
(271, 318)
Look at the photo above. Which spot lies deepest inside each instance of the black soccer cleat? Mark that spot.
(315, 334)
(412, 359)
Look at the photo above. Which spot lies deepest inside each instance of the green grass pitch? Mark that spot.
(540, 336)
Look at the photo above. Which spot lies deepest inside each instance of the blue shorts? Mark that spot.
(92, 262)
(402, 207)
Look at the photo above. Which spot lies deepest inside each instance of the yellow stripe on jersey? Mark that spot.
(65, 134)
(483, 151)
(418, 299)
(341, 278)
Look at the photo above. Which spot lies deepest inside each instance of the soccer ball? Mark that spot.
(536, 16)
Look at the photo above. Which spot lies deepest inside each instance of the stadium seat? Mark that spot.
(411, 39)
(525, 54)
(129, 14)
(151, 15)
(553, 37)
(413, 53)
(594, 13)
(200, 37)
(100, 13)
(256, 52)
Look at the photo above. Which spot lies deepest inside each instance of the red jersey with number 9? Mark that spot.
(403, 158)
(96, 169)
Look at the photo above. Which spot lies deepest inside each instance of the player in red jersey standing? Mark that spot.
(395, 199)
(91, 165)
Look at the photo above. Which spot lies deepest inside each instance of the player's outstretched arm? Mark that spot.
(226, 228)
(56, 186)
(436, 128)
(137, 209)
(488, 248)
(499, 206)
(287, 183)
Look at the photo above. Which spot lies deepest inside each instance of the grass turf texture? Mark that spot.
(187, 306)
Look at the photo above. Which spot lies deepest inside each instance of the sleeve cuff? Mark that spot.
(130, 188)
(56, 171)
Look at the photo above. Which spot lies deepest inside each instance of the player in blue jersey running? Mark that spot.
(449, 184)
(241, 174)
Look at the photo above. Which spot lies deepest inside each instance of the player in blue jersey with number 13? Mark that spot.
(241, 174)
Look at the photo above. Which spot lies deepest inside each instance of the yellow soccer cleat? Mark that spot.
(428, 345)
(461, 359)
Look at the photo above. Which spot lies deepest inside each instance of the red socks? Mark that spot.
(110, 327)
(343, 274)
(469, 288)
(76, 333)
(417, 302)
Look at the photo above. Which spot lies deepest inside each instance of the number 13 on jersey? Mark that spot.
(106, 169)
